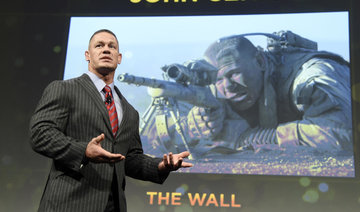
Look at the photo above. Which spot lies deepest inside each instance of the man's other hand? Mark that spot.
(173, 162)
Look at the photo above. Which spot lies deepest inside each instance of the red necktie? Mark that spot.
(110, 105)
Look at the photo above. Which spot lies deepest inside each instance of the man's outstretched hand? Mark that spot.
(95, 153)
(173, 162)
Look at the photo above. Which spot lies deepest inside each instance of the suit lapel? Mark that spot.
(125, 109)
(90, 88)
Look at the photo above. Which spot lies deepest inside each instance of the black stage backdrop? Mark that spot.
(34, 38)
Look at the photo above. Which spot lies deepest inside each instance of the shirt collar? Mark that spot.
(98, 82)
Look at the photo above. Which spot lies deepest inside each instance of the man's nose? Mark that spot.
(106, 51)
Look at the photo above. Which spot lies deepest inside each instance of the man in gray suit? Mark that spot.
(91, 155)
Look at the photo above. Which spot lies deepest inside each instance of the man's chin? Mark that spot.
(241, 105)
(105, 70)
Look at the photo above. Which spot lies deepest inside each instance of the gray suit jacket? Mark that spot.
(69, 114)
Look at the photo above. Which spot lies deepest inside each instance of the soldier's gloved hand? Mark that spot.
(204, 123)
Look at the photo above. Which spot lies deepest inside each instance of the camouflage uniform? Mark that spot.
(313, 104)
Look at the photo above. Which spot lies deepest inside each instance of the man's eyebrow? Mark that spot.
(110, 42)
(98, 41)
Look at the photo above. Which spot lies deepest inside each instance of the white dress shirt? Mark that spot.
(100, 84)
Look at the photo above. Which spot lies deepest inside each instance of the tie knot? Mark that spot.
(107, 89)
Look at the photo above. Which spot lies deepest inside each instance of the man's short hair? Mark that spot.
(104, 30)
(235, 48)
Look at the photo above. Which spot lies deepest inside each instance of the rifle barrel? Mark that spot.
(193, 94)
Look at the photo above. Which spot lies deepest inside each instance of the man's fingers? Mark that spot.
(171, 159)
(212, 124)
(97, 154)
(184, 154)
(181, 163)
(111, 156)
(116, 157)
(100, 155)
(203, 111)
(165, 160)
(196, 111)
(186, 165)
(99, 138)
(180, 160)
(173, 162)
(113, 159)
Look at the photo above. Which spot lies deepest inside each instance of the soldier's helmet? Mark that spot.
(229, 52)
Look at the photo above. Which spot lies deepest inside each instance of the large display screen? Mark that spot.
(299, 122)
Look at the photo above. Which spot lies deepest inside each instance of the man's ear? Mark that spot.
(260, 59)
(87, 56)
(119, 58)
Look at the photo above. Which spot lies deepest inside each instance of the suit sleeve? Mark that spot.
(48, 127)
(141, 166)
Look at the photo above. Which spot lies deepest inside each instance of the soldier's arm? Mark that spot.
(322, 93)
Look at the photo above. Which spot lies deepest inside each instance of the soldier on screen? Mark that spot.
(287, 96)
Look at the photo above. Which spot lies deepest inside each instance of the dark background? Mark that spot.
(33, 40)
